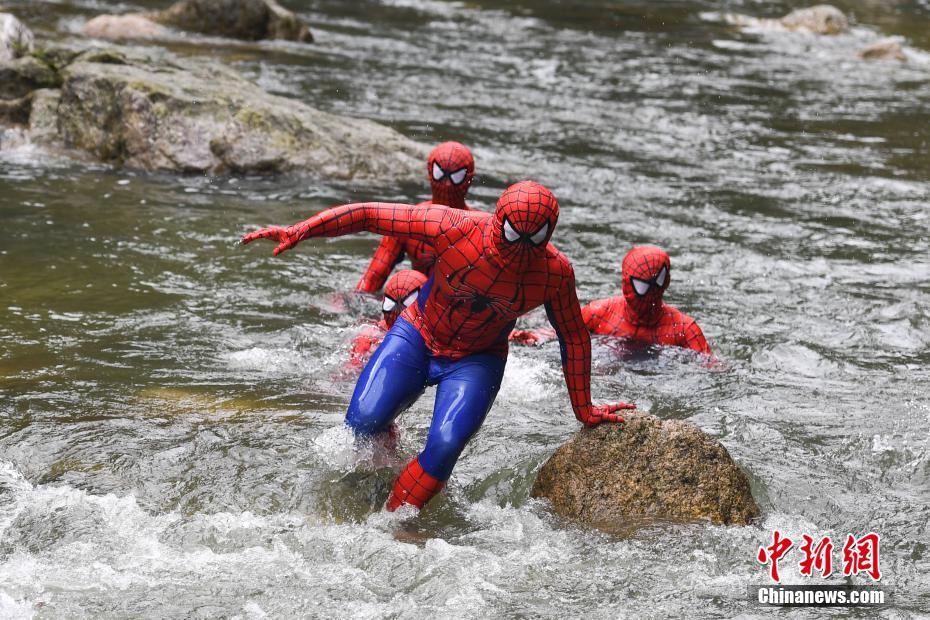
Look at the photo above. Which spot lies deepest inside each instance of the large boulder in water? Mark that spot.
(15, 39)
(237, 19)
(819, 19)
(155, 111)
(645, 470)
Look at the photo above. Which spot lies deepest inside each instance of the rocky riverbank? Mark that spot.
(150, 109)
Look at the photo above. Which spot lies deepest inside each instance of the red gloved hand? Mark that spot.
(524, 337)
(604, 413)
(285, 237)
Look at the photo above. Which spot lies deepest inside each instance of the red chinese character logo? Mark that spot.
(774, 552)
(861, 556)
(819, 557)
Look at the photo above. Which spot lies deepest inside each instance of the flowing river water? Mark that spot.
(171, 440)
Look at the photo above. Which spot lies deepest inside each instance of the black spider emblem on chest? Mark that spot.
(478, 299)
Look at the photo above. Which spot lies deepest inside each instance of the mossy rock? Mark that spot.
(645, 471)
(156, 111)
(20, 77)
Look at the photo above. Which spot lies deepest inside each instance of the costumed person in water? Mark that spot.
(451, 168)
(639, 315)
(491, 268)
(400, 291)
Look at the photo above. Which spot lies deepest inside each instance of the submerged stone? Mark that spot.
(118, 27)
(883, 49)
(237, 19)
(819, 19)
(645, 471)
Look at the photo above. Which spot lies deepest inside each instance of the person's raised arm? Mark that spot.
(389, 252)
(383, 218)
(565, 315)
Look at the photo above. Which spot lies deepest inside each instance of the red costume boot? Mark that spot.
(413, 486)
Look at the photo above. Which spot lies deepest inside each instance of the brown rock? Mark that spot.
(647, 470)
(819, 19)
(118, 27)
(238, 19)
(884, 49)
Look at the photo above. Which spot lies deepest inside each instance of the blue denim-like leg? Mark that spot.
(465, 393)
(391, 381)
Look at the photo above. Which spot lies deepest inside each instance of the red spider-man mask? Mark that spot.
(523, 222)
(450, 168)
(400, 291)
(646, 274)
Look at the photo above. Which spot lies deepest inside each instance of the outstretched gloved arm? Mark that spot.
(383, 218)
(565, 315)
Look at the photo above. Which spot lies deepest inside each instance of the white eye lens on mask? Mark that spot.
(388, 305)
(438, 172)
(540, 235)
(640, 286)
(509, 233)
(660, 278)
(412, 297)
(458, 176)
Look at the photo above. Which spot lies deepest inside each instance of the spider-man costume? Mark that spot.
(639, 315)
(451, 168)
(490, 269)
(400, 291)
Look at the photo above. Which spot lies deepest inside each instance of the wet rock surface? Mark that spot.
(155, 111)
(819, 19)
(249, 20)
(238, 19)
(884, 49)
(120, 27)
(645, 471)
(15, 39)
(21, 76)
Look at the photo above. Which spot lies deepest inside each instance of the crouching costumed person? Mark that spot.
(490, 269)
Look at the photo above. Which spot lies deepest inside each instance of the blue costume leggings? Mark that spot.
(398, 373)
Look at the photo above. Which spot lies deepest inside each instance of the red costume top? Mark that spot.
(400, 291)
(490, 269)
(640, 314)
(451, 168)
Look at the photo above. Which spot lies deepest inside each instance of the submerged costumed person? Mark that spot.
(490, 269)
(451, 168)
(401, 290)
(639, 315)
